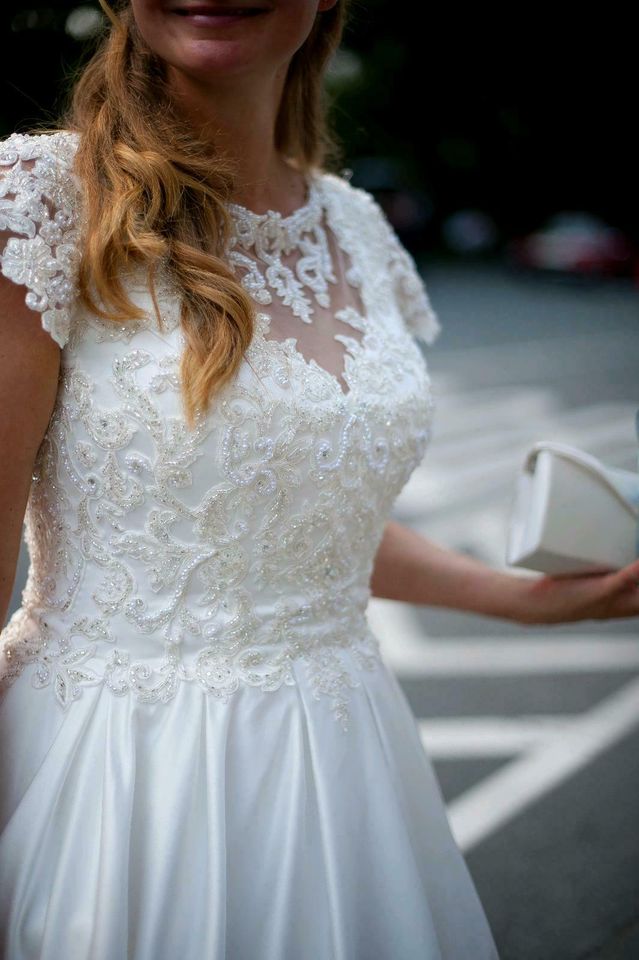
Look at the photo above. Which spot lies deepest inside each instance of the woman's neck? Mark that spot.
(239, 122)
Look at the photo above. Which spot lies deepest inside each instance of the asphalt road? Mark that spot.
(533, 732)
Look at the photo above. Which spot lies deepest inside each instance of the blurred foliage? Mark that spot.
(515, 117)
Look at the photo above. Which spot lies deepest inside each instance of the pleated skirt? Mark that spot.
(256, 829)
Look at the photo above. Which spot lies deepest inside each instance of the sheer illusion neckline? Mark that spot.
(260, 248)
(344, 384)
(298, 217)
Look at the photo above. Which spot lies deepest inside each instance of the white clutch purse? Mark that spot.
(571, 514)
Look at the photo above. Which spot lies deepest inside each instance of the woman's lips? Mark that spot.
(220, 16)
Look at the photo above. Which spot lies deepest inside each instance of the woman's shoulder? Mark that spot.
(39, 221)
(37, 167)
(356, 199)
(365, 225)
(358, 218)
(58, 144)
(360, 209)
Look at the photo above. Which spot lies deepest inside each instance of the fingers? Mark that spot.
(625, 602)
(628, 576)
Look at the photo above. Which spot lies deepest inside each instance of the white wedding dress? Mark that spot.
(202, 753)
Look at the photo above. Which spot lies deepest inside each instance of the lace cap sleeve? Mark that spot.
(38, 224)
(410, 289)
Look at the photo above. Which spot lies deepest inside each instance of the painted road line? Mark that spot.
(483, 532)
(500, 797)
(507, 657)
(466, 412)
(410, 653)
(460, 417)
(447, 459)
(438, 487)
(463, 738)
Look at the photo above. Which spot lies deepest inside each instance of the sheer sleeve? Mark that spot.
(409, 288)
(38, 224)
(412, 294)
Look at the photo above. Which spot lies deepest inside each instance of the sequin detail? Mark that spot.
(37, 202)
(239, 553)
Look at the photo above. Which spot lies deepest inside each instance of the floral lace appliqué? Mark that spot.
(238, 553)
(37, 202)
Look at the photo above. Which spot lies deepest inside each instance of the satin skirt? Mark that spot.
(252, 830)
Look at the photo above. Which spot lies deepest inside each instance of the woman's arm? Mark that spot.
(29, 367)
(411, 568)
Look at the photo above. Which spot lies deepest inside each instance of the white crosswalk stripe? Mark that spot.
(466, 737)
(495, 800)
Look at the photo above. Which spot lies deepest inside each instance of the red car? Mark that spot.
(576, 243)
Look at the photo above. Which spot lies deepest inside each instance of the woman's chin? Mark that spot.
(213, 60)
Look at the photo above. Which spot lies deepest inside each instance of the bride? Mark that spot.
(212, 392)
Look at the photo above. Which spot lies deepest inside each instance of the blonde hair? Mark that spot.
(153, 193)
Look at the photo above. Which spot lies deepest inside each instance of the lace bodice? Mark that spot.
(239, 552)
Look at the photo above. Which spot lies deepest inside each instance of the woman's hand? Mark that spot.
(565, 599)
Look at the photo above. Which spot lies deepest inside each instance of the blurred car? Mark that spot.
(576, 242)
(470, 231)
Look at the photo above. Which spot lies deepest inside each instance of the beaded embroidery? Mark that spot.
(238, 552)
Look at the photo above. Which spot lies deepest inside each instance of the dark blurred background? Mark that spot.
(475, 130)
(502, 145)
